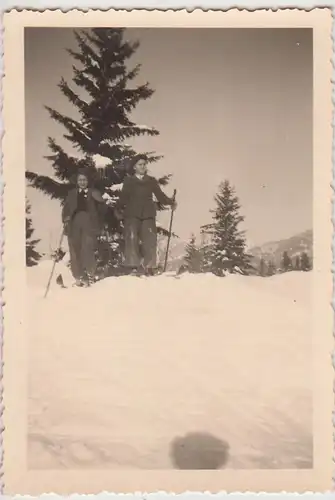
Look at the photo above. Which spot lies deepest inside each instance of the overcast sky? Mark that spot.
(229, 104)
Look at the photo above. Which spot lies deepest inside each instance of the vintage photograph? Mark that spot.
(170, 248)
(117, 119)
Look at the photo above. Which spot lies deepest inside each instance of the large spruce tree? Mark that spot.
(103, 95)
(228, 243)
(32, 255)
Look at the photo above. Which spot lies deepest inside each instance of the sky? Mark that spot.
(232, 104)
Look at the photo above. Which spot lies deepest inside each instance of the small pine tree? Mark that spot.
(228, 246)
(192, 257)
(305, 262)
(262, 267)
(271, 268)
(297, 263)
(32, 255)
(286, 262)
(103, 96)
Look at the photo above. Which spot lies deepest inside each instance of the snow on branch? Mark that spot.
(115, 187)
(101, 161)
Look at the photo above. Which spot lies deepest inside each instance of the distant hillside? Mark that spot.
(302, 242)
(271, 251)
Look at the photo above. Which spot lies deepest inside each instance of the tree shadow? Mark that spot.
(199, 450)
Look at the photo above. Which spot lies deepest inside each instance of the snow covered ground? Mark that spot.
(162, 373)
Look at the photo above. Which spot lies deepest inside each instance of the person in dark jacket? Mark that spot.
(81, 216)
(138, 209)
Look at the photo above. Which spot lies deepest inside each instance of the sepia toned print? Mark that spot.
(167, 321)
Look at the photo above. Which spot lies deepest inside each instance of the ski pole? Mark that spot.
(54, 265)
(170, 230)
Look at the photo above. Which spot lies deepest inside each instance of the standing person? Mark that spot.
(139, 213)
(81, 218)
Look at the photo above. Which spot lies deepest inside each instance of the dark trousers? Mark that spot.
(82, 244)
(140, 237)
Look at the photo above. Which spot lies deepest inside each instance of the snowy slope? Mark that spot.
(122, 372)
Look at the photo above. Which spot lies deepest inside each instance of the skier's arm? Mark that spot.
(124, 195)
(97, 196)
(160, 195)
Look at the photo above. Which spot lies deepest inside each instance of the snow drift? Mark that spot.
(159, 373)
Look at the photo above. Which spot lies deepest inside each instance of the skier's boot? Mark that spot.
(59, 281)
(136, 271)
(79, 282)
(149, 271)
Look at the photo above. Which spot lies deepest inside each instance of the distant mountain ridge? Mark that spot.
(269, 251)
(295, 245)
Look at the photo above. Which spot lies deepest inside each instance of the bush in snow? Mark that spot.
(109, 253)
(103, 95)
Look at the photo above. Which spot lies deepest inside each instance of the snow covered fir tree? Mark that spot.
(103, 95)
(32, 255)
(227, 251)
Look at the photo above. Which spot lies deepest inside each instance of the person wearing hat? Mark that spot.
(137, 207)
(81, 217)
